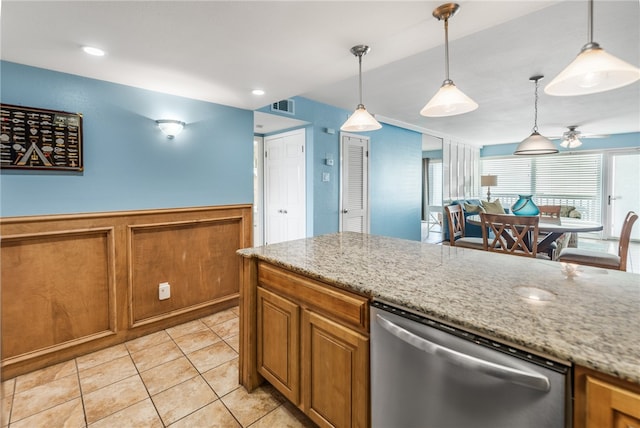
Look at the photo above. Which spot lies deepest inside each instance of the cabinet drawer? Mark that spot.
(319, 296)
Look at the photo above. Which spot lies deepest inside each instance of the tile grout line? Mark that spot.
(84, 410)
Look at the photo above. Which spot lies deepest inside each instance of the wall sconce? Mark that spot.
(170, 128)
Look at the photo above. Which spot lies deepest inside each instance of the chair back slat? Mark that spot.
(517, 235)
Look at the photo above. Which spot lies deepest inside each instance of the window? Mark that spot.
(565, 179)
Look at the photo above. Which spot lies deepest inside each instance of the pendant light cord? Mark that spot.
(590, 26)
(446, 48)
(535, 109)
(360, 76)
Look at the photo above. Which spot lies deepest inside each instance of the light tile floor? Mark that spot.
(184, 376)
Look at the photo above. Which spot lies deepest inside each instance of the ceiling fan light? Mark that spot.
(536, 144)
(592, 71)
(571, 142)
(360, 121)
(448, 101)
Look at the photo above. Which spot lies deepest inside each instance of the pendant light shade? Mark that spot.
(536, 144)
(592, 71)
(449, 100)
(361, 120)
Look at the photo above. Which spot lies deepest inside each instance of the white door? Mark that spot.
(284, 180)
(624, 193)
(354, 174)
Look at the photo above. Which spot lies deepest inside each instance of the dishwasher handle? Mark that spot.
(531, 380)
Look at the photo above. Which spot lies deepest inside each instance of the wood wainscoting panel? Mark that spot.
(73, 284)
(197, 258)
(58, 289)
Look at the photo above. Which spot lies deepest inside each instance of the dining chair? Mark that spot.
(550, 213)
(602, 259)
(455, 214)
(512, 234)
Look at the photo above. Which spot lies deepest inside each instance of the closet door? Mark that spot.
(354, 204)
(284, 195)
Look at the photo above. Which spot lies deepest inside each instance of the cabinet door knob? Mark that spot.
(345, 211)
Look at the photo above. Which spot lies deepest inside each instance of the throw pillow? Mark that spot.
(494, 207)
(473, 209)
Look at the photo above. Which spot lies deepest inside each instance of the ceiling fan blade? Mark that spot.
(594, 135)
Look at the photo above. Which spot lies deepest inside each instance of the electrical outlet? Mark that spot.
(164, 291)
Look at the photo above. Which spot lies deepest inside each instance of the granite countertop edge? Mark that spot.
(619, 368)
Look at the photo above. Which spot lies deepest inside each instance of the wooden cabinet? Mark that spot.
(602, 401)
(335, 374)
(278, 343)
(313, 346)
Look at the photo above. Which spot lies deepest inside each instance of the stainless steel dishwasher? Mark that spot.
(426, 374)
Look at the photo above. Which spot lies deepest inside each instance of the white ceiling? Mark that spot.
(219, 51)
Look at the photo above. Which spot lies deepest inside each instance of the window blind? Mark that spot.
(564, 179)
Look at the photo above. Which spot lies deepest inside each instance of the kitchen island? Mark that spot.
(589, 317)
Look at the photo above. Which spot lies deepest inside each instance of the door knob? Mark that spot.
(345, 211)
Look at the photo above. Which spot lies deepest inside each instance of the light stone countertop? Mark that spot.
(592, 319)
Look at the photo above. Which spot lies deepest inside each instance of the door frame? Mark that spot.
(608, 231)
(367, 178)
(258, 190)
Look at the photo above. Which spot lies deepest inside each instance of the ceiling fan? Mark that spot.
(571, 140)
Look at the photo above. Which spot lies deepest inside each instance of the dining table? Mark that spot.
(551, 228)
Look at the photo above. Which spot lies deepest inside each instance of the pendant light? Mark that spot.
(360, 120)
(592, 71)
(535, 144)
(449, 100)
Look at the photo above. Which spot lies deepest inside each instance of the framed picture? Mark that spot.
(33, 138)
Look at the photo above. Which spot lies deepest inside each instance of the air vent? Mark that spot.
(283, 106)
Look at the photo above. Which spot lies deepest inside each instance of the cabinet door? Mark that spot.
(278, 343)
(611, 406)
(335, 373)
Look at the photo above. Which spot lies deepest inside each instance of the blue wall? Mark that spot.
(395, 175)
(396, 182)
(617, 141)
(129, 164)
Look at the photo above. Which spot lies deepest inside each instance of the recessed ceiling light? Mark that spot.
(257, 92)
(93, 51)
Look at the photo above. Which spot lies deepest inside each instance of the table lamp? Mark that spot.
(488, 181)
